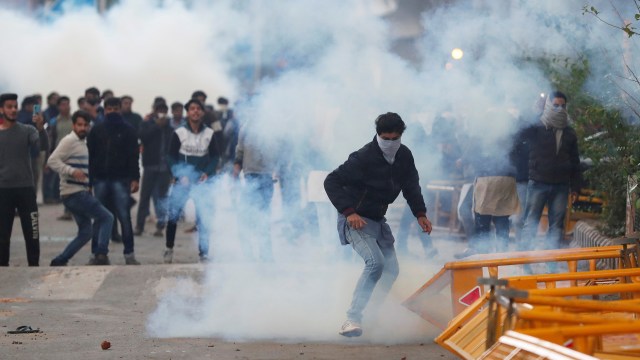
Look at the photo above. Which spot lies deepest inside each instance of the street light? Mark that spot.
(457, 54)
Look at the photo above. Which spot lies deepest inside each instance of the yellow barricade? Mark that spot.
(467, 332)
(550, 281)
(455, 284)
(587, 324)
(514, 345)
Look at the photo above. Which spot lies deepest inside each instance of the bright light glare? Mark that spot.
(457, 54)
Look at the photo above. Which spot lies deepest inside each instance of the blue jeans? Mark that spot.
(117, 193)
(178, 197)
(556, 197)
(256, 205)
(84, 207)
(374, 243)
(517, 219)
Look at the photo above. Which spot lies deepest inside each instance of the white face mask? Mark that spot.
(389, 148)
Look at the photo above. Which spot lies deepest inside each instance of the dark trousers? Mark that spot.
(155, 185)
(24, 200)
(483, 241)
(50, 185)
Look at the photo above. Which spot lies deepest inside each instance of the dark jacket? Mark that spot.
(544, 164)
(155, 141)
(133, 119)
(366, 183)
(521, 157)
(113, 151)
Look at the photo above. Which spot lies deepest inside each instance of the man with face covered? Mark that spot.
(17, 191)
(113, 168)
(155, 136)
(361, 190)
(70, 159)
(554, 171)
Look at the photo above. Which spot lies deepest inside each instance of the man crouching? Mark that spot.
(361, 190)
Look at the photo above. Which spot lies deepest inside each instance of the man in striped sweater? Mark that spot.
(71, 160)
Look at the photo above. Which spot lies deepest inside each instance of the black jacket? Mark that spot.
(366, 183)
(155, 145)
(113, 151)
(544, 164)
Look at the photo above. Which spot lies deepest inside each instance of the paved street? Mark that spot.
(78, 307)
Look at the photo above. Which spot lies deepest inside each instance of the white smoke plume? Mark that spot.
(329, 72)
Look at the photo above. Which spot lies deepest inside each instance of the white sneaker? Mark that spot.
(204, 259)
(350, 329)
(168, 256)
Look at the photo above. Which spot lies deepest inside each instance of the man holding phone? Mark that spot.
(17, 192)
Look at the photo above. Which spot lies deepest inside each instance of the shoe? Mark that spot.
(350, 328)
(168, 256)
(158, 233)
(92, 260)
(65, 217)
(430, 253)
(204, 259)
(102, 259)
(130, 259)
(466, 253)
(56, 262)
(138, 232)
(192, 229)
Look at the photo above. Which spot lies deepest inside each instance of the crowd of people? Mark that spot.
(91, 160)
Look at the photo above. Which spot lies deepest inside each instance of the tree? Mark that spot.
(626, 26)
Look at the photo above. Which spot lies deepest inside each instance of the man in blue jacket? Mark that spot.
(361, 189)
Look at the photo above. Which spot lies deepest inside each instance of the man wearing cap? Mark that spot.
(361, 190)
(193, 156)
(17, 190)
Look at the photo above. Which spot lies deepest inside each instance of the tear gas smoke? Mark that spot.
(333, 74)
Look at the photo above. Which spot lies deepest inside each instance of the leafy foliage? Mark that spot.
(627, 27)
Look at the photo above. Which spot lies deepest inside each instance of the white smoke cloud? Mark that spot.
(137, 48)
(329, 74)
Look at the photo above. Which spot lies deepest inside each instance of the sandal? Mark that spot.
(24, 329)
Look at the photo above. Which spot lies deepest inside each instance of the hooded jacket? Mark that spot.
(366, 183)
